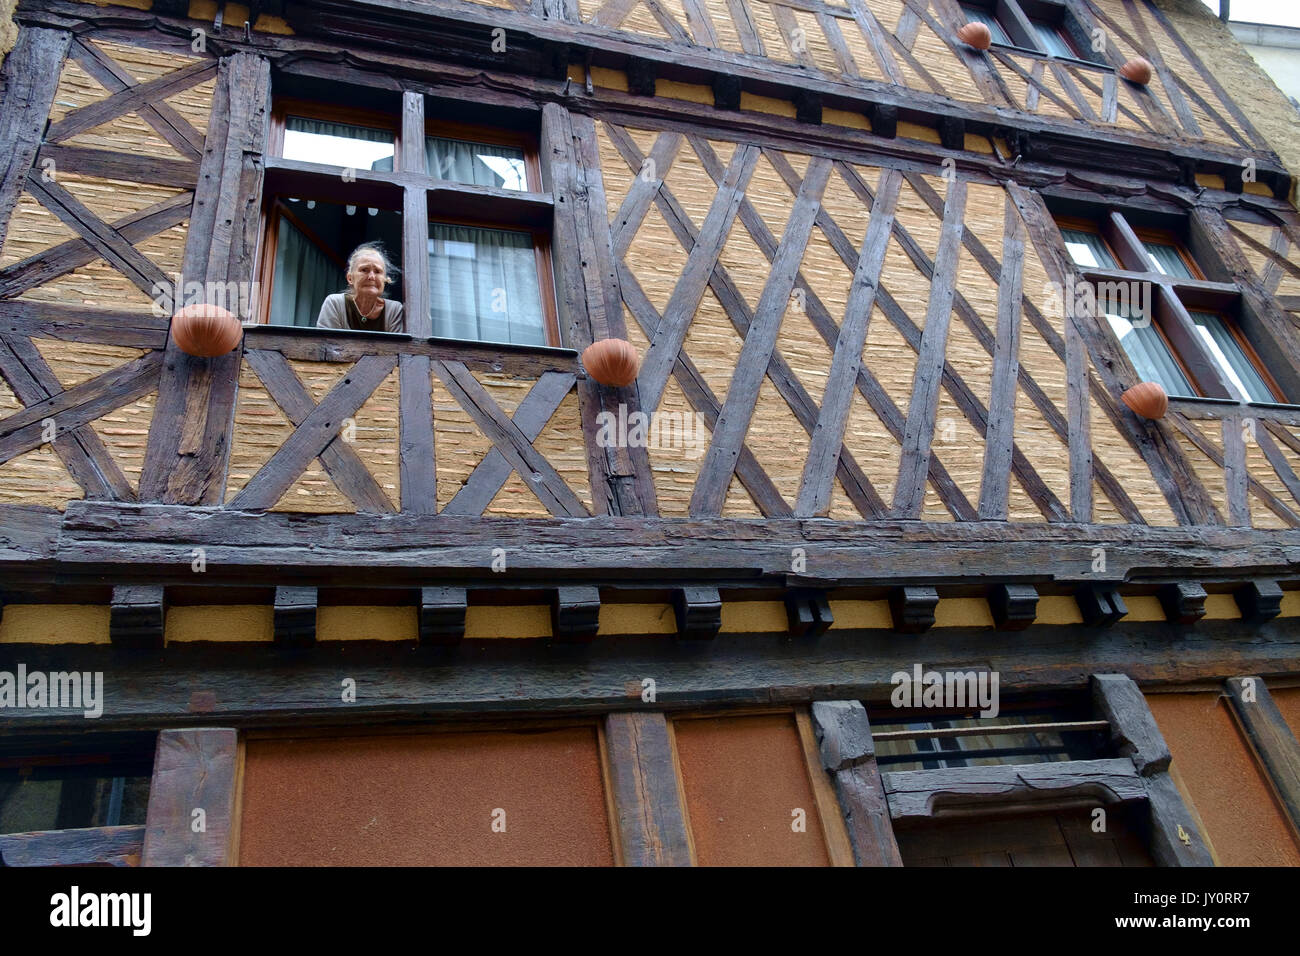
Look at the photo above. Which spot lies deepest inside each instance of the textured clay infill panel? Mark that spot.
(743, 776)
(1288, 702)
(1230, 792)
(426, 799)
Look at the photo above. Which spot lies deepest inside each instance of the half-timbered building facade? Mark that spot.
(879, 560)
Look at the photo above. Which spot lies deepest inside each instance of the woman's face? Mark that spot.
(367, 275)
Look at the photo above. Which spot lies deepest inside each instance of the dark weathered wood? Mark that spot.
(137, 616)
(719, 462)
(295, 616)
(909, 494)
(108, 164)
(189, 436)
(1100, 604)
(913, 608)
(849, 756)
(827, 438)
(313, 435)
(28, 533)
(698, 611)
(1272, 740)
(998, 439)
(808, 612)
(415, 223)
(651, 818)
(340, 461)
(194, 799)
(1260, 601)
(1183, 601)
(916, 795)
(1014, 606)
(1215, 454)
(129, 99)
(1236, 477)
(442, 615)
(1176, 840)
(91, 846)
(1132, 728)
(418, 475)
(30, 78)
(575, 613)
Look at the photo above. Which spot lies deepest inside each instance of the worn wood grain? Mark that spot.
(195, 769)
(652, 828)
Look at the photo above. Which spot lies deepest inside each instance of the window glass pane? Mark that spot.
(1150, 355)
(478, 164)
(1236, 367)
(313, 243)
(41, 796)
(986, 17)
(338, 144)
(1166, 259)
(1087, 249)
(1049, 35)
(483, 285)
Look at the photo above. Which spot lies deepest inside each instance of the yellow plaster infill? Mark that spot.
(1210, 181)
(227, 623)
(963, 612)
(1058, 609)
(1290, 604)
(833, 117)
(54, 624)
(1221, 607)
(766, 104)
(861, 615)
(1259, 189)
(915, 131)
(691, 92)
(1143, 607)
(509, 620)
(978, 144)
(235, 15)
(366, 623)
(754, 617)
(134, 4)
(637, 619)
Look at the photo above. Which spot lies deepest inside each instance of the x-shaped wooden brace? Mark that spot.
(316, 433)
(72, 410)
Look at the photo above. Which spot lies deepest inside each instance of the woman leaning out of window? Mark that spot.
(363, 307)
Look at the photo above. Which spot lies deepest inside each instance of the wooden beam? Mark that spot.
(652, 828)
(848, 754)
(913, 608)
(1183, 601)
(90, 846)
(1014, 606)
(137, 616)
(698, 611)
(1272, 740)
(1176, 839)
(808, 612)
(442, 615)
(194, 798)
(1259, 600)
(575, 613)
(295, 616)
(1000, 435)
(1100, 604)
(1133, 730)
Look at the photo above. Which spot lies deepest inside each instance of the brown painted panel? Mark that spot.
(743, 777)
(1288, 703)
(1220, 774)
(426, 799)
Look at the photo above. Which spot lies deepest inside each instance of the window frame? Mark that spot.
(401, 182)
(1125, 243)
(1017, 18)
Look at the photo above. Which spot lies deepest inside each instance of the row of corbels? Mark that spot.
(977, 36)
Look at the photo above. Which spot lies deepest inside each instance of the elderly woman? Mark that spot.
(363, 306)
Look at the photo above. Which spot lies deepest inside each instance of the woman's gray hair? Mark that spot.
(374, 248)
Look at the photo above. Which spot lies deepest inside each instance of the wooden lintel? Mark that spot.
(913, 608)
(698, 611)
(442, 615)
(650, 817)
(1119, 700)
(1100, 604)
(1183, 601)
(1259, 600)
(848, 755)
(640, 76)
(1014, 606)
(91, 846)
(575, 613)
(137, 616)
(952, 132)
(808, 612)
(884, 120)
(295, 616)
(197, 778)
(726, 92)
(807, 107)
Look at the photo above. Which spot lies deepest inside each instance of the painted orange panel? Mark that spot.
(426, 799)
(744, 777)
(1288, 702)
(1229, 789)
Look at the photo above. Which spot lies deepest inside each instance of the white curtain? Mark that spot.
(1233, 363)
(1151, 358)
(477, 164)
(483, 285)
(304, 276)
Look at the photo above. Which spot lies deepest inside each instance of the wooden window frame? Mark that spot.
(1016, 17)
(417, 187)
(1171, 318)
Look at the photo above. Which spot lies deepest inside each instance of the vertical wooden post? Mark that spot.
(199, 769)
(1272, 740)
(849, 755)
(652, 827)
(31, 75)
(1176, 838)
(419, 482)
(189, 437)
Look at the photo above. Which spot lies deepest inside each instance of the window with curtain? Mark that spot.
(478, 164)
(1223, 346)
(1087, 249)
(1167, 260)
(483, 285)
(1051, 38)
(1147, 350)
(986, 17)
(304, 276)
(338, 144)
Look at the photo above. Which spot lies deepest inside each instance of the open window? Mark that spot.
(1176, 328)
(1044, 27)
(342, 175)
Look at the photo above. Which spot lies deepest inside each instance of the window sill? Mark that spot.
(1067, 60)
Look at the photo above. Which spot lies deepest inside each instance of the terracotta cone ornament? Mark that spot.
(1147, 399)
(1137, 70)
(612, 362)
(206, 331)
(976, 34)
